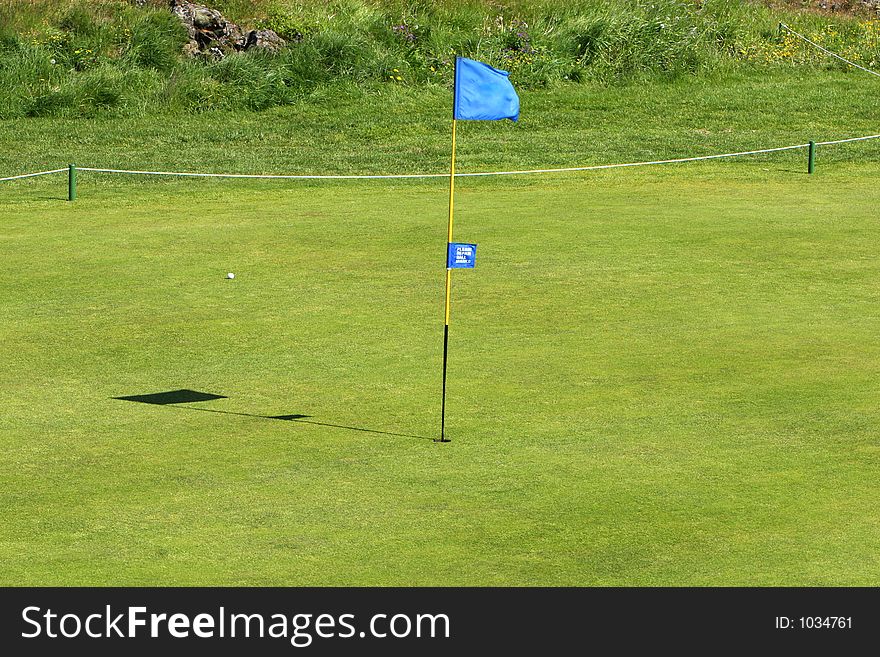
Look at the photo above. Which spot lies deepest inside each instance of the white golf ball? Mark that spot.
(230, 275)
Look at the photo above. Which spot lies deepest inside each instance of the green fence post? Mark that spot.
(71, 182)
(811, 161)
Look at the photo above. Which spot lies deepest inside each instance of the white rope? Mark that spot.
(594, 167)
(844, 141)
(32, 175)
(828, 52)
(257, 175)
(633, 164)
(437, 175)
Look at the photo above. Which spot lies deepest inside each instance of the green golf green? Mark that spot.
(662, 376)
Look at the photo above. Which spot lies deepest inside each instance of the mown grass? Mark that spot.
(659, 377)
(353, 130)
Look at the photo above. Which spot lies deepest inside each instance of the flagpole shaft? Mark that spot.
(451, 218)
(443, 438)
(452, 183)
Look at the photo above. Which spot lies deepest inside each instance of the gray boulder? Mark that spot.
(266, 40)
(212, 36)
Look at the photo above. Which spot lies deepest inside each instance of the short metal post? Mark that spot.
(71, 182)
(811, 162)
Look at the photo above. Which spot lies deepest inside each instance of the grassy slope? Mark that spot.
(99, 59)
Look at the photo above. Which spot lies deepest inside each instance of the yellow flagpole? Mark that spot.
(451, 217)
(443, 438)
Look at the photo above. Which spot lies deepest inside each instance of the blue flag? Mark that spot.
(483, 93)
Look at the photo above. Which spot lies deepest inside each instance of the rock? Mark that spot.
(191, 49)
(211, 35)
(207, 19)
(266, 40)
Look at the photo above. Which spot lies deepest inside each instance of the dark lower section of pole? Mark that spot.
(811, 158)
(443, 438)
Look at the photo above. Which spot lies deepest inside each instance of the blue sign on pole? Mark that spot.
(461, 256)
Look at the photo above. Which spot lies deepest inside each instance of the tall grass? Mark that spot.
(109, 57)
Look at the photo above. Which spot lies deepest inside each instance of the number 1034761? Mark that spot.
(814, 622)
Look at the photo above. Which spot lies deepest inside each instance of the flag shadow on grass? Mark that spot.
(173, 398)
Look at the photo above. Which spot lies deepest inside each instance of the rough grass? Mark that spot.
(82, 59)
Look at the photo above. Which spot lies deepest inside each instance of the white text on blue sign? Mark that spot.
(461, 256)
